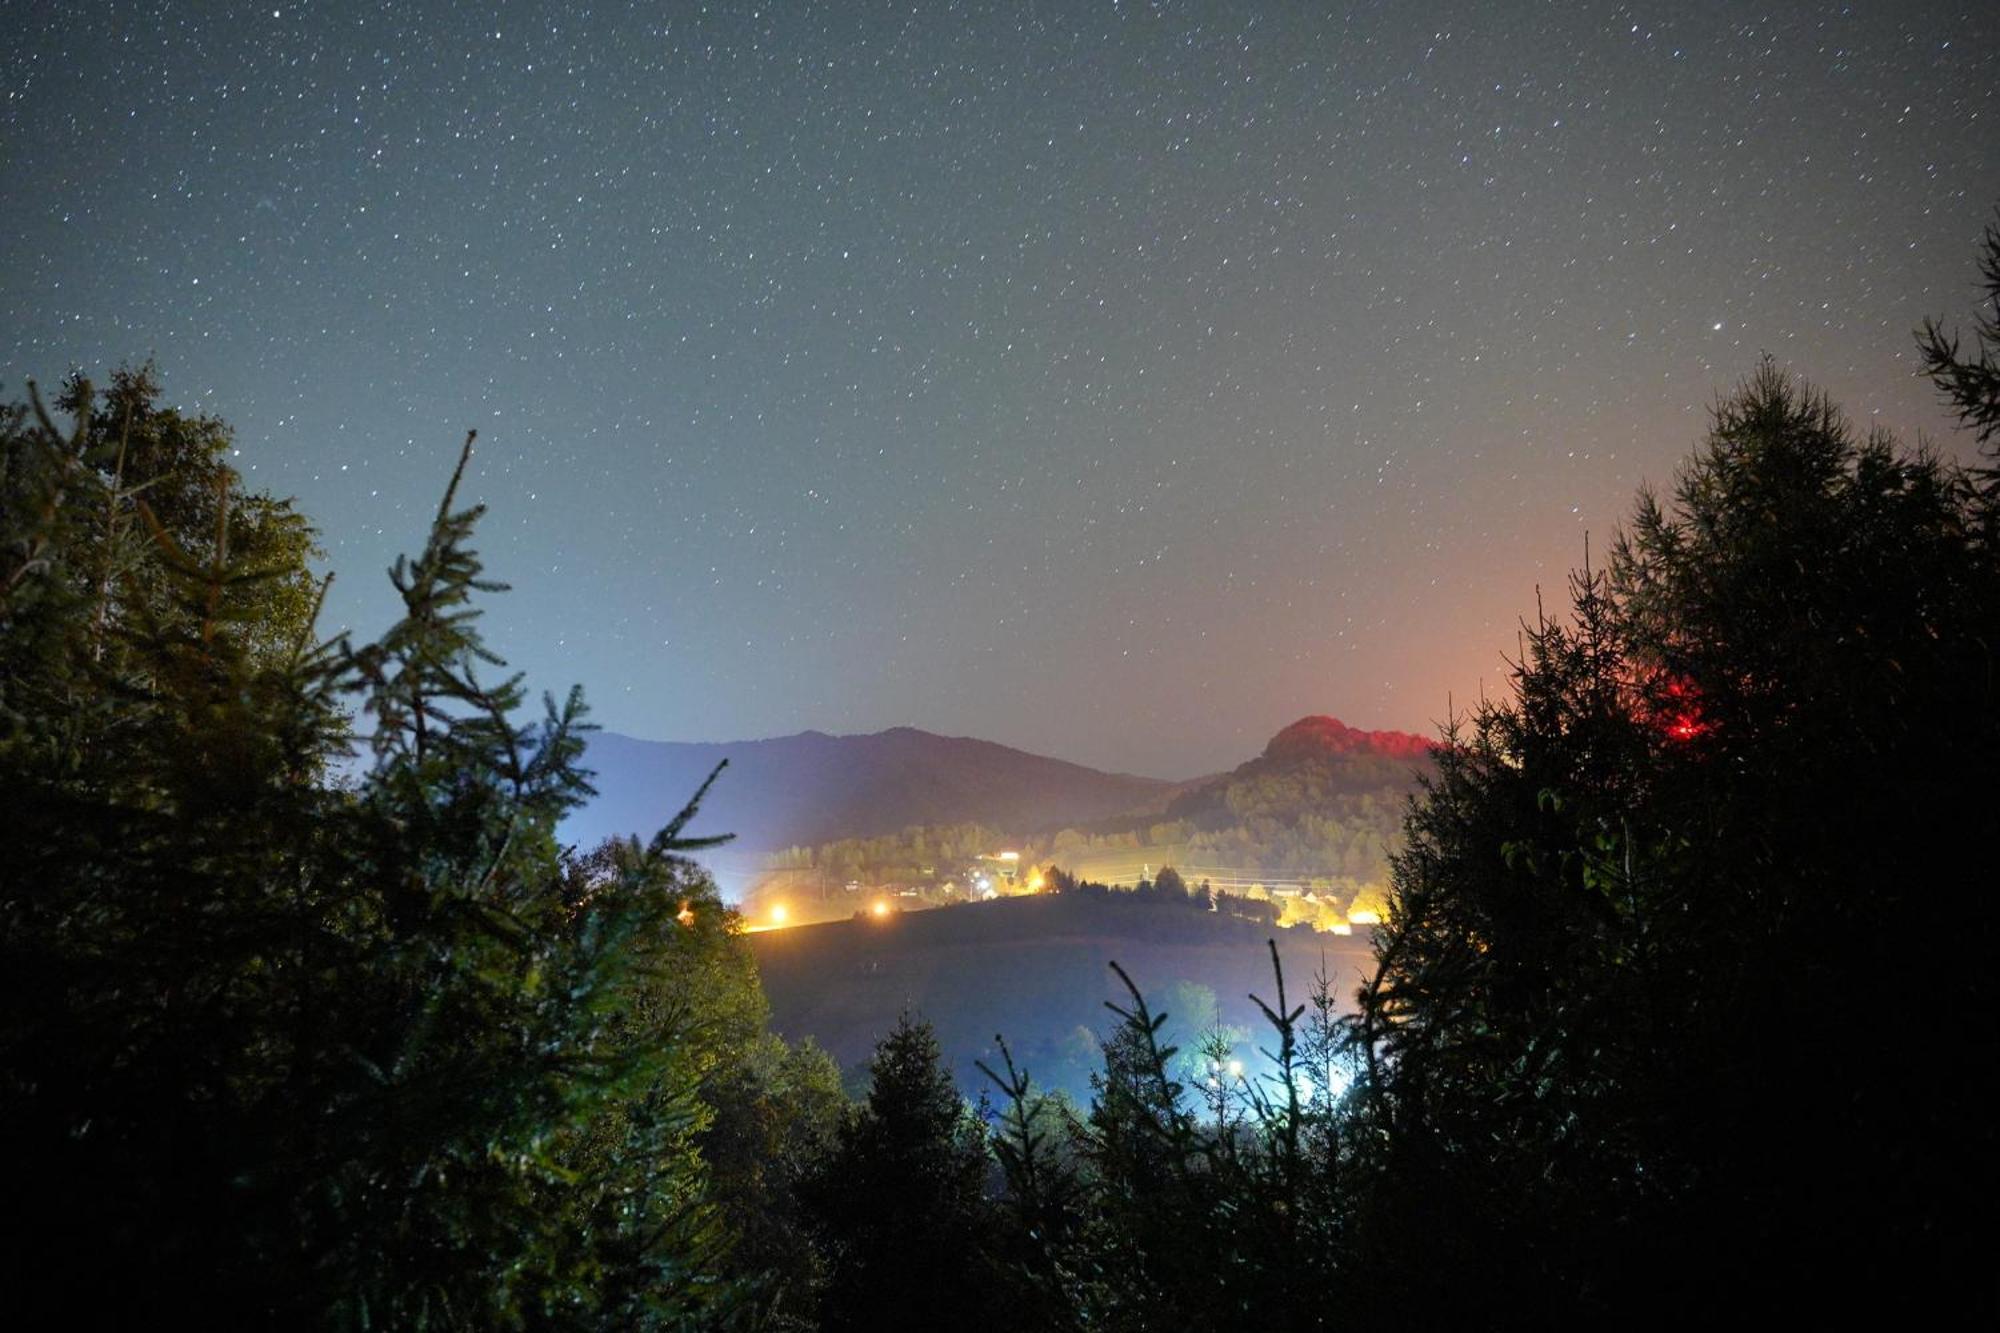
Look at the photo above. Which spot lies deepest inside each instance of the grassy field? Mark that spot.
(1036, 971)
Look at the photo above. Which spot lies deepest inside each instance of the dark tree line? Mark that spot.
(281, 1048)
(1686, 968)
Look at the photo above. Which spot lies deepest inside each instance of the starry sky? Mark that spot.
(1118, 381)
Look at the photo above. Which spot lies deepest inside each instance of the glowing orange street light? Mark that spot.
(778, 914)
(880, 908)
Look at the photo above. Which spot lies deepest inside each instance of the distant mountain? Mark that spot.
(1303, 770)
(1321, 737)
(815, 788)
(1319, 811)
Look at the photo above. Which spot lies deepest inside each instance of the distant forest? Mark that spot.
(1682, 1010)
(1323, 825)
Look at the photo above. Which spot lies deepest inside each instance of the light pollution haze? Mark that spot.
(1115, 381)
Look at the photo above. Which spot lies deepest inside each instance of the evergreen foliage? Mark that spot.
(776, 1112)
(1160, 1208)
(1627, 1025)
(277, 1050)
(900, 1201)
(1970, 381)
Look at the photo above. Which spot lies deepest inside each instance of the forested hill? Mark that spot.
(1311, 820)
(1316, 815)
(815, 788)
(1302, 769)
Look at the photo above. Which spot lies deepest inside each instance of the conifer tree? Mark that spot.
(1613, 1036)
(277, 1050)
(1970, 380)
(776, 1111)
(1145, 1213)
(900, 1201)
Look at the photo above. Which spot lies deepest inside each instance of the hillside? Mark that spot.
(814, 788)
(1312, 820)
(1035, 970)
(1303, 770)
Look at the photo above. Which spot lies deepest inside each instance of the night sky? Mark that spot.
(1116, 381)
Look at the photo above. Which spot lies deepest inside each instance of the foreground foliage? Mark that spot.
(900, 1202)
(366, 1053)
(1631, 1020)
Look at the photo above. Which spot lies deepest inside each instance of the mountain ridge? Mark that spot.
(813, 786)
(1322, 732)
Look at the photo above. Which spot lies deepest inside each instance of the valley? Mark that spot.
(1036, 971)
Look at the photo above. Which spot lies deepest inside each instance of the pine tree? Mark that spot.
(776, 1109)
(901, 1202)
(282, 1051)
(1148, 1213)
(1970, 381)
(1613, 1035)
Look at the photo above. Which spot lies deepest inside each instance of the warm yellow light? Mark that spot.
(1010, 856)
(1365, 918)
(778, 914)
(1342, 928)
(1035, 882)
(880, 909)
